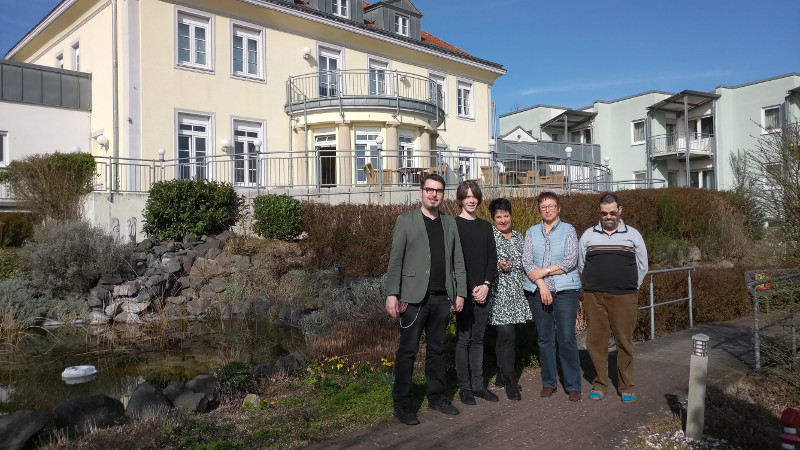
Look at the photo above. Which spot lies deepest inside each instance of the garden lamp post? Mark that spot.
(568, 167)
(698, 372)
(379, 163)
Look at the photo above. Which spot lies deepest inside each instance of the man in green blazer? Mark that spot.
(425, 280)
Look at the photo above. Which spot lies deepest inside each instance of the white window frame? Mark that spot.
(59, 61)
(381, 69)
(467, 168)
(247, 164)
(335, 83)
(465, 104)
(195, 20)
(341, 8)
(402, 23)
(194, 168)
(633, 132)
(4, 159)
(441, 80)
(764, 129)
(640, 179)
(366, 149)
(76, 56)
(248, 33)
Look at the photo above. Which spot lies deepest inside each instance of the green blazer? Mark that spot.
(410, 259)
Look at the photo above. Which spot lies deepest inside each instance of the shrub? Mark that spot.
(178, 208)
(20, 304)
(70, 257)
(16, 228)
(277, 216)
(52, 185)
(9, 263)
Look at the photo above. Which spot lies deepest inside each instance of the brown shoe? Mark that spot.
(547, 391)
(574, 396)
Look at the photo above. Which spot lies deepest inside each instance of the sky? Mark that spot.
(571, 53)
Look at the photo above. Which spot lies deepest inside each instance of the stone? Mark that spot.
(207, 384)
(151, 260)
(204, 268)
(264, 371)
(131, 306)
(113, 308)
(192, 401)
(173, 266)
(127, 317)
(127, 289)
(18, 428)
(198, 306)
(153, 280)
(145, 295)
(261, 308)
(147, 402)
(145, 245)
(99, 291)
(213, 253)
(288, 364)
(196, 282)
(177, 300)
(85, 412)
(159, 250)
(93, 302)
(285, 315)
(139, 256)
(217, 285)
(251, 401)
(174, 389)
(301, 359)
(186, 262)
(98, 318)
(725, 264)
(224, 236)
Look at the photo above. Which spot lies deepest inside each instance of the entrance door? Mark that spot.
(366, 152)
(325, 145)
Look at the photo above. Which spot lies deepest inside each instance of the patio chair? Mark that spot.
(371, 174)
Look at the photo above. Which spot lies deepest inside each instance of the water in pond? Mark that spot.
(30, 377)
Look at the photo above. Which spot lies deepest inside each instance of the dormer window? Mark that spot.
(401, 24)
(341, 8)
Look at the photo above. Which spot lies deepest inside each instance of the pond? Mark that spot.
(30, 376)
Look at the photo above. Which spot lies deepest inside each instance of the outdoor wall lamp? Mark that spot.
(161, 153)
(75, 149)
(379, 141)
(568, 150)
(306, 52)
(226, 145)
(257, 142)
(102, 141)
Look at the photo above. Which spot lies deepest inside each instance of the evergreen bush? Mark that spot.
(277, 216)
(178, 208)
(52, 186)
(17, 228)
(70, 257)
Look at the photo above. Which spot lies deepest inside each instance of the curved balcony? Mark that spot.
(349, 90)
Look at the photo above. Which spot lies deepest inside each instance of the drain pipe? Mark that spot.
(115, 100)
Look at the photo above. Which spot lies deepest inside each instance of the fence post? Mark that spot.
(756, 333)
(652, 311)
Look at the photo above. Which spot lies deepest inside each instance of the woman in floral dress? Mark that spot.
(509, 305)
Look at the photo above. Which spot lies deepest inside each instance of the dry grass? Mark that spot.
(356, 340)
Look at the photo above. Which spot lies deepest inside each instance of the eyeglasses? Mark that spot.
(547, 207)
(433, 191)
(609, 213)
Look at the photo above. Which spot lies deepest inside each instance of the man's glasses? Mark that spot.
(609, 213)
(433, 191)
(547, 207)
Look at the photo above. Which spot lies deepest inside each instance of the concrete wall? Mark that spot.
(33, 129)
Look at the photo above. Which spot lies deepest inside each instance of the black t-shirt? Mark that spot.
(480, 253)
(436, 241)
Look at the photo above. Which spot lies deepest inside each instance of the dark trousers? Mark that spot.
(505, 347)
(471, 325)
(431, 316)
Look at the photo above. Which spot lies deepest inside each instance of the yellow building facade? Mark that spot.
(270, 93)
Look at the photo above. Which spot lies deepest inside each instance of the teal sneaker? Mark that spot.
(628, 397)
(596, 395)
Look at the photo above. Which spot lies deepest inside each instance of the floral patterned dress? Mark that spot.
(509, 304)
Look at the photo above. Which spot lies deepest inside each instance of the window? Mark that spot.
(770, 119)
(377, 77)
(640, 179)
(193, 44)
(325, 145)
(328, 72)
(637, 129)
(672, 179)
(3, 148)
(438, 87)
(193, 138)
(341, 8)
(406, 156)
(466, 168)
(76, 56)
(60, 60)
(245, 157)
(587, 136)
(366, 152)
(247, 50)
(576, 137)
(401, 24)
(464, 99)
(554, 137)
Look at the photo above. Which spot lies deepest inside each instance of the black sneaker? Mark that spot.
(486, 395)
(444, 406)
(466, 397)
(405, 415)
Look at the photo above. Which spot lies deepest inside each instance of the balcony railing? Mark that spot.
(351, 89)
(672, 144)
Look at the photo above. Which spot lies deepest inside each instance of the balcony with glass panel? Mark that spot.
(360, 90)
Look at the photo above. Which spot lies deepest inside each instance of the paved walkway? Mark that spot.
(662, 374)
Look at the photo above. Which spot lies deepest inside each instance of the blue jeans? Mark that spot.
(556, 322)
(430, 316)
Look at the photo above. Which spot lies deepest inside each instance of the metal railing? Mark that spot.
(673, 143)
(653, 304)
